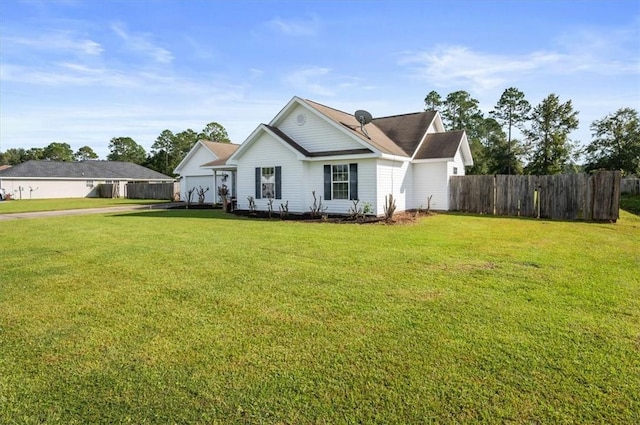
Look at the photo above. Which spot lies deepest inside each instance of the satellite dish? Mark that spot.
(363, 117)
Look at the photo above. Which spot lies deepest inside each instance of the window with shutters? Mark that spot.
(340, 181)
(268, 182)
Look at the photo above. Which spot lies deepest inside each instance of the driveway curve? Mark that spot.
(41, 214)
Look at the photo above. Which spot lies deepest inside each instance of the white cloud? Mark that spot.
(322, 81)
(141, 43)
(579, 51)
(460, 66)
(57, 41)
(295, 27)
(311, 80)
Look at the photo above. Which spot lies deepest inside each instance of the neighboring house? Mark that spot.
(309, 147)
(205, 166)
(58, 179)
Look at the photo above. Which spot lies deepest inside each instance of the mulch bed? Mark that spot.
(406, 217)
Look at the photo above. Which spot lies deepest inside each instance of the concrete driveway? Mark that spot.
(124, 208)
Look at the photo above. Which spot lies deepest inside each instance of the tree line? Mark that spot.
(166, 152)
(545, 146)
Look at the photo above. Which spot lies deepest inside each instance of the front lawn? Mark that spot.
(33, 205)
(185, 316)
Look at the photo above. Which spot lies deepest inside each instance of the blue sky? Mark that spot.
(83, 72)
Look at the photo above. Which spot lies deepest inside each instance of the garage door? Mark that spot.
(189, 182)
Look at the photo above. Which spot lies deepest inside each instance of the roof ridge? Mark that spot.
(402, 115)
(376, 118)
(326, 106)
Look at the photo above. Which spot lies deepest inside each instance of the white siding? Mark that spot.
(457, 163)
(366, 185)
(316, 135)
(51, 188)
(431, 178)
(195, 176)
(394, 177)
(189, 182)
(269, 152)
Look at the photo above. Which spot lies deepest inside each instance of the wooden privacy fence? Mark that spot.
(564, 196)
(151, 190)
(630, 186)
(108, 190)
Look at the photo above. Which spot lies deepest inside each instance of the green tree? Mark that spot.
(214, 132)
(169, 149)
(85, 153)
(58, 151)
(616, 142)
(501, 157)
(461, 112)
(512, 110)
(433, 101)
(14, 156)
(161, 150)
(127, 150)
(34, 154)
(548, 143)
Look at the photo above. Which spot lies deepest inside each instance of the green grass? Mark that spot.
(33, 205)
(198, 317)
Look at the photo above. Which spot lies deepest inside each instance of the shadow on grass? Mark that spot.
(182, 213)
(525, 218)
(260, 216)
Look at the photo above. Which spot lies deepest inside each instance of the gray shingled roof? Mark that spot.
(440, 145)
(406, 130)
(92, 170)
(399, 134)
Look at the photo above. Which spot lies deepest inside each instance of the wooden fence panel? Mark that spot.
(108, 190)
(630, 186)
(515, 195)
(563, 197)
(606, 195)
(151, 190)
(472, 194)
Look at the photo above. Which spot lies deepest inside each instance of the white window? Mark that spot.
(89, 183)
(268, 182)
(340, 181)
(455, 170)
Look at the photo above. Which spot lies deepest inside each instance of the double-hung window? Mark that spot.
(268, 182)
(341, 181)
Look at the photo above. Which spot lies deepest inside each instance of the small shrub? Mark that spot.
(358, 213)
(284, 210)
(189, 196)
(201, 193)
(223, 193)
(389, 207)
(270, 207)
(252, 205)
(317, 208)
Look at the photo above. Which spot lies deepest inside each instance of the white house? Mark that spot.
(308, 147)
(205, 166)
(60, 179)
